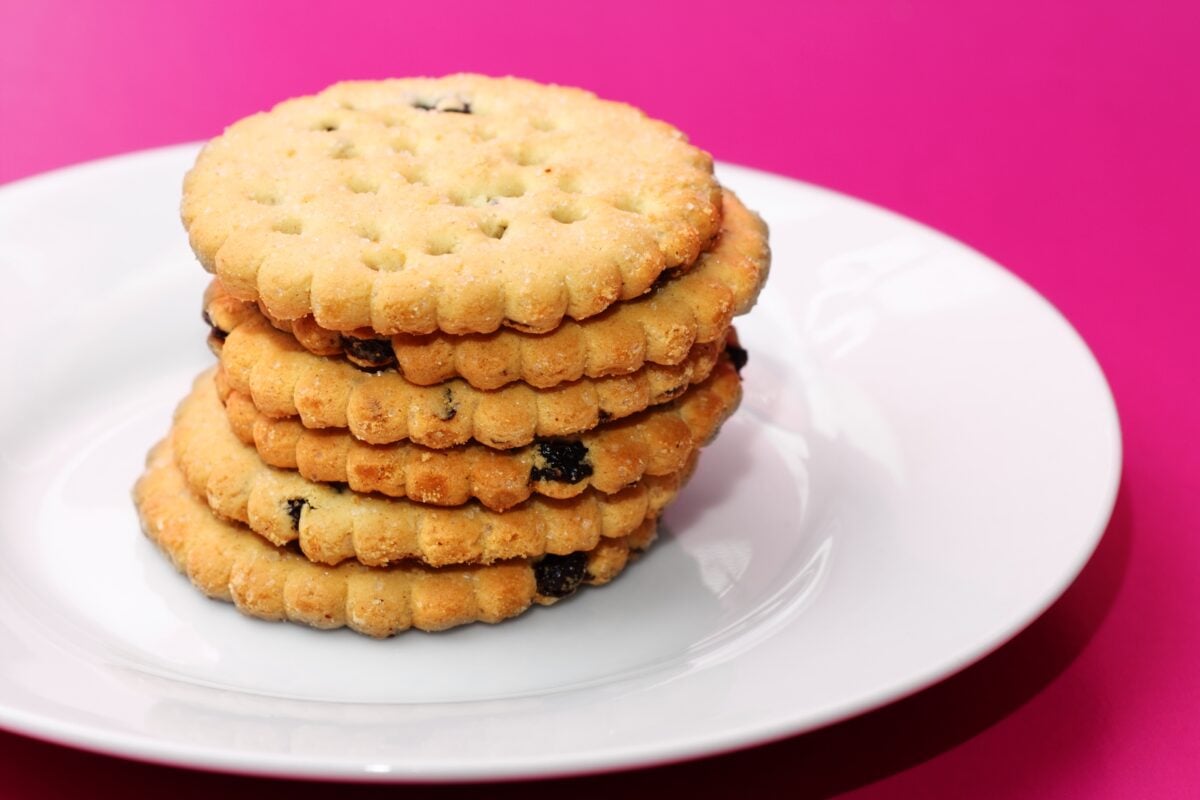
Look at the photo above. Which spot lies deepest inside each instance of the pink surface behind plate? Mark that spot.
(1059, 141)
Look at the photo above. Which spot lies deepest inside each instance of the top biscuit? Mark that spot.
(457, 204)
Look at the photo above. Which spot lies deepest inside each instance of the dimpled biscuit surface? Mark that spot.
(457, 204)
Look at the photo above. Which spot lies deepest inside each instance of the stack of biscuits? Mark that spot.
(471, 335)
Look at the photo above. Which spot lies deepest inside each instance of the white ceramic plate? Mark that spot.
(926, 457)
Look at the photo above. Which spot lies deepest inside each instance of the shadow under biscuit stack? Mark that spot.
(471, 335)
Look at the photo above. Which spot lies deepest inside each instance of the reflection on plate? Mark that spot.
(926, 456)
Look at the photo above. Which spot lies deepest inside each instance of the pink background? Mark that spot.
(1061, 142)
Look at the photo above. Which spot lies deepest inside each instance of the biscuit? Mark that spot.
(227, 562)
(659, 328)
(333, 524)
(457, 204)
(656, 442)
(285, 380)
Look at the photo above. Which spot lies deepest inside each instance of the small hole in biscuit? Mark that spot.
(569, 183)
(627, 203)
(413, 174)
(289, 225)
(384, 259)
(328, 124)
(368, 231)
(493, 228)
(528, 156)
(448, 104)
(508, 186)
(346, 104)
(344, 149)
(441, 246)
(361, 185)
(567, 214)
(265, 198)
